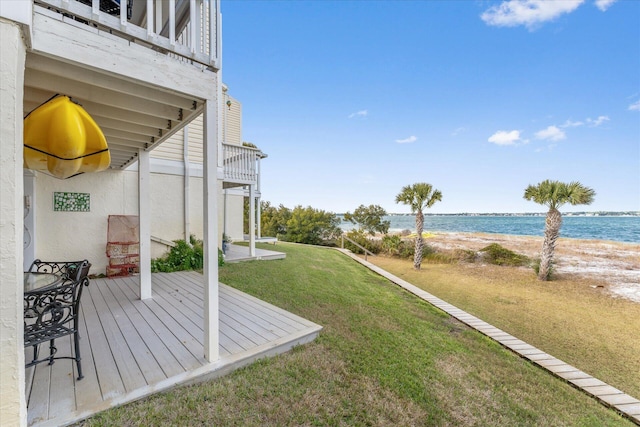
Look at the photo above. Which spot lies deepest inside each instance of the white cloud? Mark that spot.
(552, 133)
(604, 4)
(503, 137)
(361, 113)
(407, 140)
(529, 13)
(597, 122)
(571, 124)
(635, 106)
(458, 131)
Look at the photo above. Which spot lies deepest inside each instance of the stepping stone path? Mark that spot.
(610, 396)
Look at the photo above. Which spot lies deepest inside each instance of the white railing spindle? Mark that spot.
(172, 22)
(214, 32)
(123, 13)
(95, 9)
(158, 16)
(150, 20)
(192, 25)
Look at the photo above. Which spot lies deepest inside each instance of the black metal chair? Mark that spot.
(52, 312)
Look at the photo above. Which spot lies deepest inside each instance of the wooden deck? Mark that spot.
(132, 348)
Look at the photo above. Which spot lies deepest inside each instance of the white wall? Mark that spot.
(13, 409)
(235, 215)
(80, 235)
(65, 236)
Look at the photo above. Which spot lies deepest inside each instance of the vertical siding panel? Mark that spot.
(234, 122)
(196, 140)
(171, 149)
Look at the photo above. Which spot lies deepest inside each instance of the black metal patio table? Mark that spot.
(34, 280)
(52, 292)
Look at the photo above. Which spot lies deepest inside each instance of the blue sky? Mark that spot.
(352, 100)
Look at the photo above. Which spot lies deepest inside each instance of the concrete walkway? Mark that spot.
(610, 396)
(237, 253)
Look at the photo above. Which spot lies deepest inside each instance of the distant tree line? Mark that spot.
(300, 224)
(318, 227)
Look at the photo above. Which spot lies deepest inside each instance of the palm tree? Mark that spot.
(418, 196)
(555, 194)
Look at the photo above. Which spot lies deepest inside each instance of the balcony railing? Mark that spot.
(189, 29)
(240, 163)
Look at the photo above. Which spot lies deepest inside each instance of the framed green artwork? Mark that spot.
(71, 202)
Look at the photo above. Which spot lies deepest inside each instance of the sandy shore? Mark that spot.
(615, 264)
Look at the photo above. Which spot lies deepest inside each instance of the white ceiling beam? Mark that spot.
(128, 143)
(105, 122)
(119, 157)
(90, 77)
(122, 150)
(97, 110)
(82, 91)
(127, 136)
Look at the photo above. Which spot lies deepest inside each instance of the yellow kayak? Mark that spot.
(61, 137)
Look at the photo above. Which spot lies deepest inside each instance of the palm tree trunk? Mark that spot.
(551, 234)
(417, 256)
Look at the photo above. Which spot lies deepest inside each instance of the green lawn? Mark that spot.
(384, 358)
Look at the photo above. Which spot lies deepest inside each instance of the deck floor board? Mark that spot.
(133, 348)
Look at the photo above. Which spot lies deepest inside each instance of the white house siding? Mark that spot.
(233, 117)
(12, 378)
(234, 214)
(171, 149)
(196, 141)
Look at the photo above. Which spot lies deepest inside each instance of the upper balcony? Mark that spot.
(241, 165)
(176, 27)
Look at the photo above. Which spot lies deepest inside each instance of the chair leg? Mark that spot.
(52, 351)
(76, 339)
(35, 352)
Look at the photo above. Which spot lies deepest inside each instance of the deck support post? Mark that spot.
(252, 220)
(144, 218)
(211, 316)
(259, 202)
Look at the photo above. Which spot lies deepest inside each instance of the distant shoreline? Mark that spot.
(528, 214)
(587, 227)
(488, 234)
(615, 264)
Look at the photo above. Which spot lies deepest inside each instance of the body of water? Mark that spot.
(617, 228)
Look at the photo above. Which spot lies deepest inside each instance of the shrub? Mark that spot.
(391, 244)
(183, 256)
(535, 264)
(312, 226)
(499, 255)
(273, 221)
(406, 249)
(464, 255)
(360, 237)
(431, 255)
